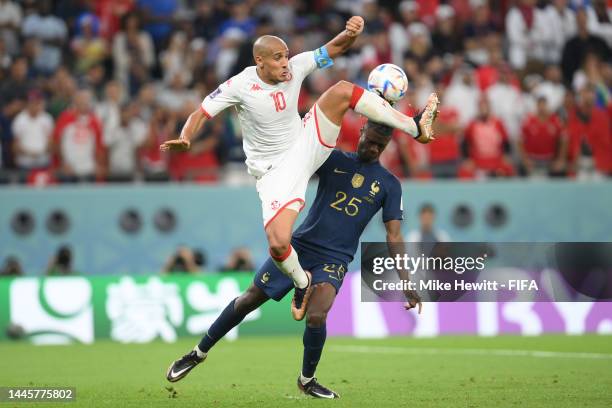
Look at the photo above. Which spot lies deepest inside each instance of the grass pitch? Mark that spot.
(548, 371)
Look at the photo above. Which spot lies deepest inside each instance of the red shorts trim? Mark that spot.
(282, 208)
(317, 126)
(208, 115)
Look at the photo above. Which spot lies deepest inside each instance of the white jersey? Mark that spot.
(268, 113)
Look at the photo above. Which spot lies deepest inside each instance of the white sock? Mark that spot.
(376, 108)
(304, 380)
(291, 267)
(199, 352)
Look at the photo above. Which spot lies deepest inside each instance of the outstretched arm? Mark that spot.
(194, 123)
(395, 243)
(343, 41)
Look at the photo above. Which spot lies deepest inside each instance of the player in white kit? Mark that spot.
(283, 150)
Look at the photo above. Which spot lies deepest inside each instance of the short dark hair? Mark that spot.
(199, 257)
(379, 128)
(64, 255)
(427, 207)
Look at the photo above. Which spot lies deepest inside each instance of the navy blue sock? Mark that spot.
(314, 339)
(227, 320)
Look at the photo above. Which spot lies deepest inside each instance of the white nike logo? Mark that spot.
(176, 374)
(340, 171)
(324, 395)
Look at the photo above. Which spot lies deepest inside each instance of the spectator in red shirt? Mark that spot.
(427, 11)
(78, 141)
(486, 146)
(542, 144)
(110, 13)
(161, 128)
(405, 157)
(200, 163)
(439, 159)
(445, 152)
(590, 147)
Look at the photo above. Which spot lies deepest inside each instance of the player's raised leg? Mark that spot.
(344, 95)
(279, 231)
(231, 316)
(315, 333)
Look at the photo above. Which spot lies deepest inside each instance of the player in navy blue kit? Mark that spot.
(353, 187)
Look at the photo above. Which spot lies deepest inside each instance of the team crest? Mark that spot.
(265, 277)
(357, 180)
(275, 205)
(374, 188)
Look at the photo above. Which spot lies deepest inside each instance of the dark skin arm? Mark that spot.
(343, 41)
(395, 243)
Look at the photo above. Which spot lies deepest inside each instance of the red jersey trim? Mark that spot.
(318, 132)
(282, 208)
(208, 115)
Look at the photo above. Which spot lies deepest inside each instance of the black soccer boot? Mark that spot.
(314, 389)
(181, 367)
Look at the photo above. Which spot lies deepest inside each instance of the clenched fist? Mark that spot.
(354, 26)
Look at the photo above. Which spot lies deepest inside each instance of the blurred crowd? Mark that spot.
(90, 88)
(184, 260)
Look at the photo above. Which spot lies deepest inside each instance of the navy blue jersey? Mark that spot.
(349, 194)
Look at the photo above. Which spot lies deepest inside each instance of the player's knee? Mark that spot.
(247, 302)
(316, 318)
(279, 249)
(342, 89)
(279, 242)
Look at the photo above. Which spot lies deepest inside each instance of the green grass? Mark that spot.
(261, 372)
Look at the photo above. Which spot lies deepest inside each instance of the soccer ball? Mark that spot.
(389, 81)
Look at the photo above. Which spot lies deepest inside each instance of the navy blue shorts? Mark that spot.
(276, 285)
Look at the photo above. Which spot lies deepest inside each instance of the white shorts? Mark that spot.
(284, 186)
